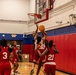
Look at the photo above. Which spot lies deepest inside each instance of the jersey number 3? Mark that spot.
(4, 55)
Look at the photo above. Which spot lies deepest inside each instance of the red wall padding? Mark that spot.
(28, 49)
(66, 59)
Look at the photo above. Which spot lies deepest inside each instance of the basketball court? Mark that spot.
(25, 68)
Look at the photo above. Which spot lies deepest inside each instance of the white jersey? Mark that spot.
(42, 45)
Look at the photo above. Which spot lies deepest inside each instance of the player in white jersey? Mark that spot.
(35, 34)
(39, 44)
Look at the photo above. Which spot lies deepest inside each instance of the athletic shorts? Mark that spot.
(14, 61)
(36, 56)
(49, 69)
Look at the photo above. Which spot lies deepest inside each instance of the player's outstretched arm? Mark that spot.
(36, 28)
(55, 48)
(44, 34)
(35, 34)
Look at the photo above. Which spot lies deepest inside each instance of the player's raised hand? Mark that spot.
(54, 44)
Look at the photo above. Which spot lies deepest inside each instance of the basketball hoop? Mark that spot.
(35, 15)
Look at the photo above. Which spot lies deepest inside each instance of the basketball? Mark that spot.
(42, 28)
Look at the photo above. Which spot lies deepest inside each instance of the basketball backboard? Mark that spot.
(42, 7)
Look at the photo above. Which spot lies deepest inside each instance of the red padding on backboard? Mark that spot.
(47, 17)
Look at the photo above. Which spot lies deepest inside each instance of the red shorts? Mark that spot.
(14, 60)
(43, 57)
(50, 69)
(37, 57)
(5, 68)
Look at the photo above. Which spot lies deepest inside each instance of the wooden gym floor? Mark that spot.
(25, 67)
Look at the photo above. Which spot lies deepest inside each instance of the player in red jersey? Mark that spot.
(50, 65)
(15, 58)
(5, 66)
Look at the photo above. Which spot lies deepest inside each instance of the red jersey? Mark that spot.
(4, 54)
(50, 57)
(5, 67)
(15, 53)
